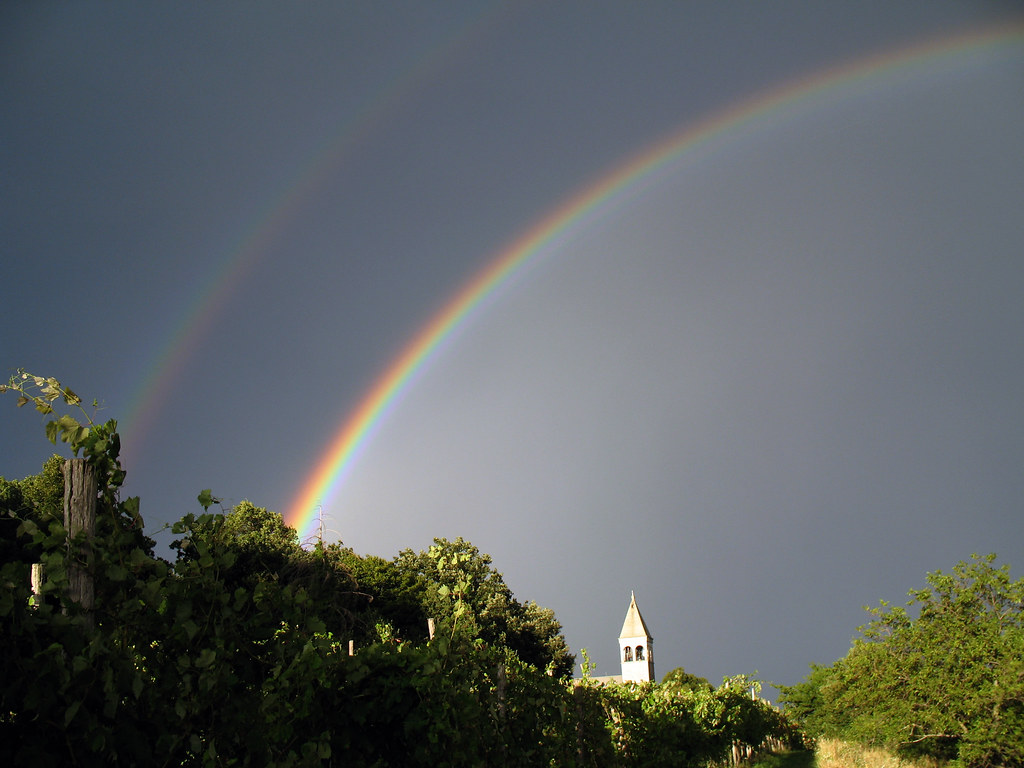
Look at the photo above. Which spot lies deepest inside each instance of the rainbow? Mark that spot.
(169, 363)
(573, 213)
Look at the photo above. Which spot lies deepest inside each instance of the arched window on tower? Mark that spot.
(627, 654)
(639, 653)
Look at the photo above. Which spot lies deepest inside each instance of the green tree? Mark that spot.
(37, 498)
(260, 539)
(255, 548)
(805, 704)
(947, 682)
(681, 680)
(466, 592)
(234, 653)
(393, 596)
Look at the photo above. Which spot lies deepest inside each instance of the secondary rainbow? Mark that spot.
(337, 462)
(169, 362)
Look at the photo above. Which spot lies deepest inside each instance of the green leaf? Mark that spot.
(71, 711)
(206, 498)
(138, 557)
(206, 657)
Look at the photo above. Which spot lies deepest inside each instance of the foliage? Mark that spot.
(394, 596)
(463, 591)
(805, 703)
(679, 679)
(236, 652)
(663, 725)
(39, 498)
(947, 683)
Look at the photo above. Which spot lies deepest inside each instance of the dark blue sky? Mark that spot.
(779, 382)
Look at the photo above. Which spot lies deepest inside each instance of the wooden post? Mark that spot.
(36, 580)
(351, 647)
(501, 683)
(430, 629)
(80, 517)
(577, 695)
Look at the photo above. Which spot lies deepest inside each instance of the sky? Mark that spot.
(757, 349)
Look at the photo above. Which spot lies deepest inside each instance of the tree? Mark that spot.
(805, 704)
(234, 654)
(38, 498)
(468, 594)
(948, 682)
(681, 680)
(261, 540)
(393, 597)
(255, 549)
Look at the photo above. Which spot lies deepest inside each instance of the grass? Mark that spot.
(800, 759)
(831, 753)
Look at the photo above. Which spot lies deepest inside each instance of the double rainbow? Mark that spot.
(337, 462)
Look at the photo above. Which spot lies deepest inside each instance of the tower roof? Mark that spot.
(634, 625)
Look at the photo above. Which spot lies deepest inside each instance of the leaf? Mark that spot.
(72, 710)
(22, 401)
(138, 557)
(206, 498)
(78, 435)
(206, 657)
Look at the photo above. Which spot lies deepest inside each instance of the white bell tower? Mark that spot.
(636, 651)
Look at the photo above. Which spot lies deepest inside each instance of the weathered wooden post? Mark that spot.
(36, 580)
(80, 517)
(430, 629)
(577, 695)
(501, 684)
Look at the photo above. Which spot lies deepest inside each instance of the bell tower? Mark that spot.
(636, 651)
